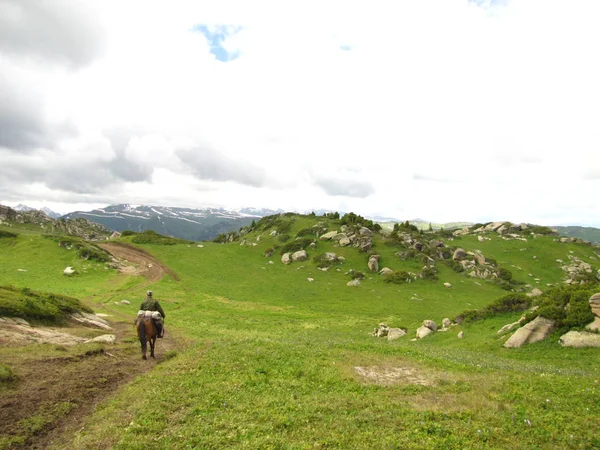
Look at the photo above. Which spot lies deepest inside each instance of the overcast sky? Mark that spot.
(446, 110)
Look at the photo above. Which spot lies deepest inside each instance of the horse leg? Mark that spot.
(152, 343)
(142, 336)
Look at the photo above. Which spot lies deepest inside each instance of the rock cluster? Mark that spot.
(391, 333)
(577, 271)
(359, 237)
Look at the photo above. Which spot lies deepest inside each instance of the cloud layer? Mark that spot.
(441, 109)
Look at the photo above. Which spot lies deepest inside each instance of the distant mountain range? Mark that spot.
(187, 223)
(45, 210)
(589, 234)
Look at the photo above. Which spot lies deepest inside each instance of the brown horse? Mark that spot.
(147, 333)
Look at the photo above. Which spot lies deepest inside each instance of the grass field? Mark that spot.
(277, 361)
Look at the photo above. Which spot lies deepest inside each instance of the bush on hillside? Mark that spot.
(7, 234)
(407, 254)
(540, 229)
(509, 303)
(128, 233)
(306, 232)
(85, 250)
(398, 277)
(322, 261)
(29, 304)
(283, 237)
(568, 306)
(454, 265)
(356, 274)
(429, 273)
(152, 237)
(294, 246)
(504, 274)
(6, 373)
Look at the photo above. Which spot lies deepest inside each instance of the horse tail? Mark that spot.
(141, 326)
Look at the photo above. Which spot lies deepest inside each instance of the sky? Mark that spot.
(444, 110)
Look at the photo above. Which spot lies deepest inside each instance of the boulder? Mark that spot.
(595, 307)
(115, 235)
(344, 241)
(125, 302)
(104, 339)
(310, 279)
(395, 333)
(424, 332)
(374, 263)
(460, 335)
(536, 330)
(381, 331)
(365, 244)
(385, 271)
(535, 292)
(286, 258)
(69, 271)
(508, 327)
(446, 323)
(579, 339)
(328, 236)
(300, 255)
(90, 320)
(355, 282)
(459, 254)
(330, 256)
(479, 258)
(430, 324)
(364, 231)
(448, 285)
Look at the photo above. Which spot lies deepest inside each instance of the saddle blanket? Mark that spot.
(154, 314)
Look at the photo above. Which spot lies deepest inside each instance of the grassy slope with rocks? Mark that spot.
(274, 357)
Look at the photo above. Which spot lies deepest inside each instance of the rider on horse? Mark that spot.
(151, 304)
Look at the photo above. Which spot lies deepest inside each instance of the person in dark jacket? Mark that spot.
(151, 304)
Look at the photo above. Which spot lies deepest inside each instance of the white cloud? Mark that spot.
(500, 98)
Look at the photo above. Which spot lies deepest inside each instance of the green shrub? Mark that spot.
(305, 232)
(429, 273)
(568, 306)
(322, 261)
(6, 374)
(539, 229)
(509, 303)
(505, 274)
(85, 250)
(407, 254)
(294, 246)
(7, 234)
(29, 304)
(283, 237)
(128, 233)
(356, 275)
(399, 277)
(454, 265)
(152, 237)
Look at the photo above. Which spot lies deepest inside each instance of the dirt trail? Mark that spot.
(47, 386)
(143, 262)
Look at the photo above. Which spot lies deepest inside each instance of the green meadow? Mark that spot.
(271, 360)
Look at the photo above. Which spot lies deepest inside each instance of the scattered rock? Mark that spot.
(385, 271)
(355, 283)
(373, 263)
(90, 320)
(460, 335)
(430, 324)
(395, 333)
(580, 339)
(536, 330)
(125, 302)
(509, 327)
(115, 235)
(310, 279)
(328, 236)
(424, 332)
(286, 258)
(459, 254)
(69, 271)
(446, 323)
(104, 339)
(381, 331)
(300, 255)
(535, 292)
(448, 285)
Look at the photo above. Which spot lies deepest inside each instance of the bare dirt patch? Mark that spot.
(135, 261)
(387, 375)
(52, 395)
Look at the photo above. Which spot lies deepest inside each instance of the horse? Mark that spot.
(147, 332)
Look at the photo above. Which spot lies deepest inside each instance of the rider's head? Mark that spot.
(149, 293)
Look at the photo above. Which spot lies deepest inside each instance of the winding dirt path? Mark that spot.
(143, 262)
(48, 384)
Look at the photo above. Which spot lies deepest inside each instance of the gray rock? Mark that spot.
(329, 235)
(354, 283)
(430, 324)
(286, 258)
(104, 339)
(364, 231)
(579, 339)
(446, 322)
(479, 258)
(374, 263)
(344, 241)
(535, 292)
(90, 320)
(69, 271)
(300, 255)
(385, 271)
(536, 330)
(448, 285)
(459, 254)
(508, 327)
(125, 302)
(424, 332)
(460, 335)
(395, 333)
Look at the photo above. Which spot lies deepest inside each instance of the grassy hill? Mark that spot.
(589, 234)
(276, 360)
